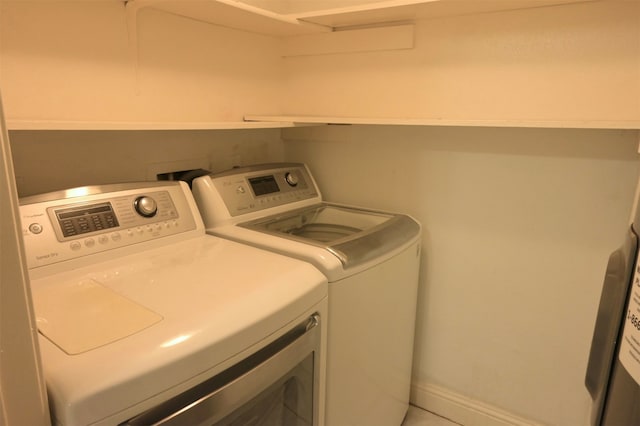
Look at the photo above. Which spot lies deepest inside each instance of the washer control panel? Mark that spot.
(261, 187)
(66, 225)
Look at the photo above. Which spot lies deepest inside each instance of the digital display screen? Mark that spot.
(93, 218)
(264, 185)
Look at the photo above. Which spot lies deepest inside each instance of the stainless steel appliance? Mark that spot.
(145, 319)
(613, 372)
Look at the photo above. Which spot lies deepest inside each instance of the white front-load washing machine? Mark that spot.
(143, 318)
(371, 259)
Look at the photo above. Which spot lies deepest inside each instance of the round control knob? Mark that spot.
(291, 179)
(145, 206)
(36, 228)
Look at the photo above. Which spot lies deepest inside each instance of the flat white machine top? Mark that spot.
(127, 322)
(279, 207)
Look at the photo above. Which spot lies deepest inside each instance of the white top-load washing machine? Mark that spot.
(371, 259)
(143, 318)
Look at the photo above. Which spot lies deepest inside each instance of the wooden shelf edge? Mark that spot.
(553, 124)
(122, 125)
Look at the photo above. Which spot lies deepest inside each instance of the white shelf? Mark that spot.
(234, 14)
(247, 16)
(279, 122)
(411, 10)
(569, 124)
(122, 125)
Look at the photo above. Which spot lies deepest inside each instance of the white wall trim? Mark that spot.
(462, 409)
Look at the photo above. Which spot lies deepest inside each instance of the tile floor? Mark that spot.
(419, 417)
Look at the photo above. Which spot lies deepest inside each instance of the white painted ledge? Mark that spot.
(552, 124)
(140, 125)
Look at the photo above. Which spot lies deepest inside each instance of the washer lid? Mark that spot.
(353, 235)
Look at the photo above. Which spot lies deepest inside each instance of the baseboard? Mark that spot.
(462, 409)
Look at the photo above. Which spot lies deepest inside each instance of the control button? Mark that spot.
(140, 230)
(103, 239)
(291, 179)
(240, 190)
(75, 245)
(89, 242)
(36, 228)
(116, 236)
(145, 206)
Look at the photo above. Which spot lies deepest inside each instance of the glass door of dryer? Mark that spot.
(279, 385)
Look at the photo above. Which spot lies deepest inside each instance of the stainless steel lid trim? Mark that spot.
(376, 242)
(358, 247)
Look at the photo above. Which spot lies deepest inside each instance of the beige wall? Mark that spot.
(85, 65)
(518, 227)
(574, 63)
(569, 63)
(53, 160)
